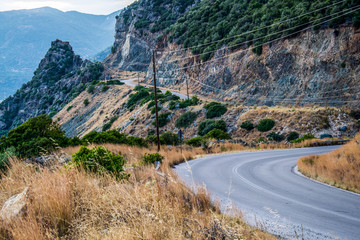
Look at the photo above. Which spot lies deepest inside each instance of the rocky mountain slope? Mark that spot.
(25, 36)
(111, 106)
(59, 78)
(318, 65)
(138, 29)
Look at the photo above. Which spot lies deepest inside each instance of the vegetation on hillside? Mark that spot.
(212, 21)
(339, 168)
(45, 93)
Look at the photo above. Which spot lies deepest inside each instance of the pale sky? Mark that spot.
(86, 6)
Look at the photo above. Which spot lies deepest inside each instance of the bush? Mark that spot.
(4, 158)
(217, 134)
(105, 88)
(86, 102)
(91, 89)
(151, 158)
(247, 125)
(185, 120)
(266, 125)
(208, 125)
(170, 138)
(69, 108)
(303, 138)
(215, 109)
(195, 142)
(275, 137)
(355, 114)
(108, 125)
(100, 160)
(163, 119)
(292, 136)
(35, 136)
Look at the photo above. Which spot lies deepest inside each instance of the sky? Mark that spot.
(104, 7)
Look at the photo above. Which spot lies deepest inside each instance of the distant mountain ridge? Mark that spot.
(25, 36)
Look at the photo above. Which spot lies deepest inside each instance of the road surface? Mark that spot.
(133, 83)
(266, 187)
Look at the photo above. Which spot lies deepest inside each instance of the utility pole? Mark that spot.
(156, 106)
(138, 79)
(187, 88)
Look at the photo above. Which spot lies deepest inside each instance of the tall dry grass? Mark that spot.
(69, 203)
(340, 168)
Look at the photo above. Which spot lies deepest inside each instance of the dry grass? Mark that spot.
(340, 168)
(68, 203)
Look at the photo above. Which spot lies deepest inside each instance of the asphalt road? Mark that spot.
(133, 83)
(269, 192)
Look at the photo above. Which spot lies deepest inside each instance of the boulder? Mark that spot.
(14, 206)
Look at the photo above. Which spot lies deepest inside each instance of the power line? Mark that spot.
(268, 42)
(264, 37)
(255, 30)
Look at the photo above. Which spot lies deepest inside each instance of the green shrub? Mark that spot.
(86, 102)
(172, 105)
(303, 138)
(275, 137)
(266, 125)
(170, 138)
(163, 119)
(91, 89)
(108, 125)
(217, 134)
(247, 125)
(355, 114)
(69, 108)
(195, 142)
(185, 120)
(100, 160)
(4, 158)
(208, 125)
(36, 135)
(215, 109)
(292, 136)
(105, 88)
(193, 101)
(151, 158)
(153, 110)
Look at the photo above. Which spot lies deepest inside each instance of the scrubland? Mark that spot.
(340, 168)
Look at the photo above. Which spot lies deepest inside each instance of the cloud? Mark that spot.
(86, 6)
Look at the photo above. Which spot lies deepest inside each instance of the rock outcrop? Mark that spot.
(320, 68)
(60, 77)
(14, 206)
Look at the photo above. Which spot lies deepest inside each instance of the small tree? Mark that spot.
(266, 125)
(86, 102)
(185, 120)
(247, 125)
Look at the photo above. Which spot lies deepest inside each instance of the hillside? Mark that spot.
(267, 53)
(60, 77)
(111, 107)
(25, 36)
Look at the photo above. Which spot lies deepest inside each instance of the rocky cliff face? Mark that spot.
(320, 68)
(60, 77)
(139, 29)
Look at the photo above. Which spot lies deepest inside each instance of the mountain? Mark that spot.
(25, 36)
(59, 78)
(252, 52)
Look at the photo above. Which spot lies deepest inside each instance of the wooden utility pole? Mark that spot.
(187, 88)
(156, 105)
(138, 79)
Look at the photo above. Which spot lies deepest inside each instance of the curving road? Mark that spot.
(267, 188)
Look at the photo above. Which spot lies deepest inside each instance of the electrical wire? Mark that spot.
(268, 42)
(261, 28)
(263, 37)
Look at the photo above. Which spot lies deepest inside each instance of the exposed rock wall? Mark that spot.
(320, 68)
